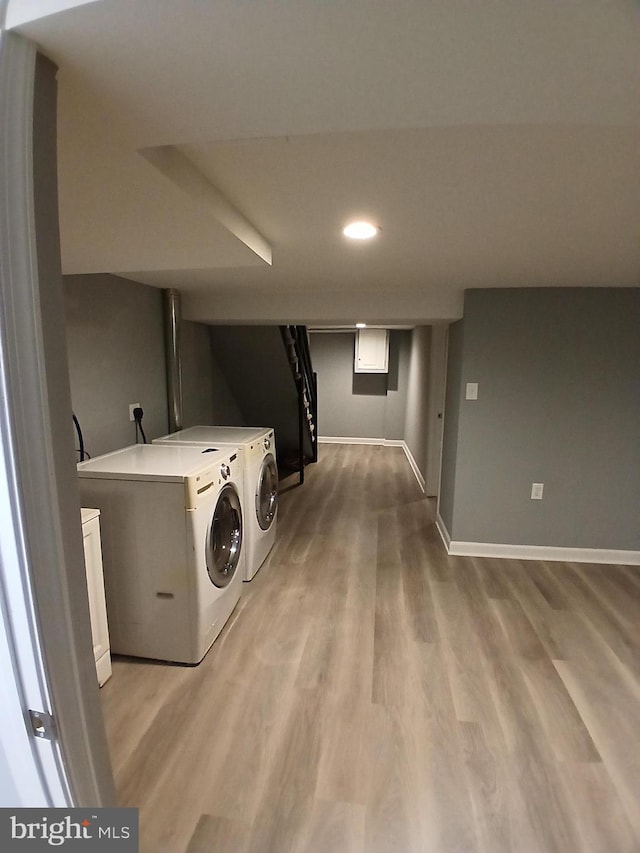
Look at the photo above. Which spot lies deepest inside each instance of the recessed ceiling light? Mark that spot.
(360, 230)
(361, 325)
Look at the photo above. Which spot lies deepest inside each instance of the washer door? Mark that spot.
(267, 492)
(224, 539)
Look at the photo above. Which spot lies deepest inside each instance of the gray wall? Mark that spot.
(395, 416)
(451, 423)
(558, 373)
(254, 361)
(435, 407)
(206, 395)
(363, 405)
(116, 356)
(197, 384)
(417, 410)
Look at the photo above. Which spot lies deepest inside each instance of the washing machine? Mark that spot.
(171, 523)
(258, 451)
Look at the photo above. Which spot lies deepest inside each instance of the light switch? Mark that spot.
(472, 391)
(536, 491)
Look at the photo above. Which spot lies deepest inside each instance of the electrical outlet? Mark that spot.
(536, 491)
(133, 406)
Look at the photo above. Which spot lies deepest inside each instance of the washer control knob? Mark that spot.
(225, 471)
(267, 443)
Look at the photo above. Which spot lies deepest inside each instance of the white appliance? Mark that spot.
(172, 545)
(258, 450)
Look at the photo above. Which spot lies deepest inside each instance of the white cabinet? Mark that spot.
(95, 588)
(372, 351)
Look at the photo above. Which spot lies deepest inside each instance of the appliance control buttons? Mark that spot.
(225, 471)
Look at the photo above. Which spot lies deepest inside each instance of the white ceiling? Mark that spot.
(496, 145)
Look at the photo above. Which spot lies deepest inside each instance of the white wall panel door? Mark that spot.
(372, 351)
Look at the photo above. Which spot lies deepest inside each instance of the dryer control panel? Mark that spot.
(267, 443)
(202, 485)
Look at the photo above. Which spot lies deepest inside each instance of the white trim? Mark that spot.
(544, 552)
(414, 465)
(379, 442)
(444, 533)
(607, 556)
(43, 779)
(52, 652)
(330, 439)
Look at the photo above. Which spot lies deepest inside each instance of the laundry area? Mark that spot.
(185, 518)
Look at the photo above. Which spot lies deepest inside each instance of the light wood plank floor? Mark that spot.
(372, 694)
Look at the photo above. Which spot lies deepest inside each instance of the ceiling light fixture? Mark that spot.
(361, 325)
(360, 230)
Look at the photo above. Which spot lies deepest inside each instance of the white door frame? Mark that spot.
(45, 635)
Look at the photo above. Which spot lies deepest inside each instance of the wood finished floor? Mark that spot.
(372, 694)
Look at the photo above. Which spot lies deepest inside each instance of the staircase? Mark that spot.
(268, 371)
(296, 342)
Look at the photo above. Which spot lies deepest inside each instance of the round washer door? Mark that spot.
(267, 492)
(224, 539)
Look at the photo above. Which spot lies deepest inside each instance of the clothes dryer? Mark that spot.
(173, 549)
(258, 451)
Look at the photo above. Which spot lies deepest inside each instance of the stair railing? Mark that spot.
(296, 341)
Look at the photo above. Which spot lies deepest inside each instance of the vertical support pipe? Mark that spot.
(172, 323)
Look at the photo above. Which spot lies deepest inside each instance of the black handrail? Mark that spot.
(296, 341)
(311, 382)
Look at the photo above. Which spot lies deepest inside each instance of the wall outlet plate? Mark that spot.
(133, 406)
(471, 391)
(536, 491)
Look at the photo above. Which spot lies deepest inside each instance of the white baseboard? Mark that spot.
(536, 552)
(444, 533)
(414, 465)
(330, 439)
(379, 442)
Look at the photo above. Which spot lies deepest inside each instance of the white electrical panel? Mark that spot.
(372, 351)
